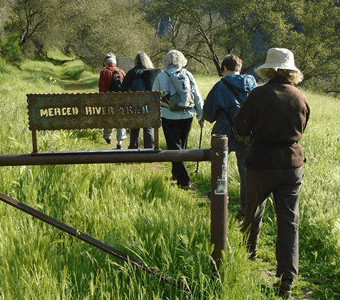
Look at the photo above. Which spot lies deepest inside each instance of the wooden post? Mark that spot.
(219, 196)
(35, 141)
(156, 139)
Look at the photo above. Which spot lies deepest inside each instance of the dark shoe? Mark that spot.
(107, 140)
(253, 255)
(119, 146)
(285, 288)
(252, 250)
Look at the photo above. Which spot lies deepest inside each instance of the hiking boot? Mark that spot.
(285, 288)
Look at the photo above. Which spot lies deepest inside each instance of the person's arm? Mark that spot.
(243, 122)
(307, 115)
(128, 80)
(104, 81)
(211, 106)
(156, 84)
(197, 98)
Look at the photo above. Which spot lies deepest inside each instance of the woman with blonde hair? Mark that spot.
(274, 118)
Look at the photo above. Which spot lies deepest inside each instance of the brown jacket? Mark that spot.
(275, 115)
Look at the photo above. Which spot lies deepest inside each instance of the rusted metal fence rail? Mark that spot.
(217, 155)
(99, 157)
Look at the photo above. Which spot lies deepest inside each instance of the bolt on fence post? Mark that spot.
(219, 196)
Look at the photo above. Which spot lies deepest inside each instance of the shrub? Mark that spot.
(10, 49)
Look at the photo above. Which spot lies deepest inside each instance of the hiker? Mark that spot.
(221, 105)
(181, 100)
(110, 80)
(141, 78)
(274, 117)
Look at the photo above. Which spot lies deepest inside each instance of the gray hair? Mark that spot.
(143, 60)
(175, 58)
(110, 58)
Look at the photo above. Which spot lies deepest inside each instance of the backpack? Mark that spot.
(138, 82)
(183, 97)
(116, 83)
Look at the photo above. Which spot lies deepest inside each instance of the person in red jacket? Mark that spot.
(110, 80)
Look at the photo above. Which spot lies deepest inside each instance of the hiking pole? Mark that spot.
(199, 147)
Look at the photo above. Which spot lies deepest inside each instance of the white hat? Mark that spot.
(110, 58)
(279, 58)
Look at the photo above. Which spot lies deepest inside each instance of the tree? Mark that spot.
(316, 43)
(27, 18)
(90, 27)
(207, 30)
(93, 28)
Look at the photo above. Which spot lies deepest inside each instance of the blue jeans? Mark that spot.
(285, 185)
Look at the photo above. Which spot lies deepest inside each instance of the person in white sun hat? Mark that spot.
(273, 119)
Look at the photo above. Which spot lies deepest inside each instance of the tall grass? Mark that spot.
(136, 209)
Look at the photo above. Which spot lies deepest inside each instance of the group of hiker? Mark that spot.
(263, 124)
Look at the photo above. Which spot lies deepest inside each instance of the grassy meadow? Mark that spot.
(136, 209)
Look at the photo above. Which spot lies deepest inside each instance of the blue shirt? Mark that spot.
(222, 105)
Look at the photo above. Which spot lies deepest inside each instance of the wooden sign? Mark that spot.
(96, 110)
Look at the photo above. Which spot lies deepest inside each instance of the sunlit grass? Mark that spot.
(136, 209)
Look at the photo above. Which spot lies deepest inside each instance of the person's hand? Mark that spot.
(201, 122)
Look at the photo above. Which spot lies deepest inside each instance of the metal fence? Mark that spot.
(217, 155)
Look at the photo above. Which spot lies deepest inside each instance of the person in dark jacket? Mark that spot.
(141, 78)
(222, 103)
(274, 118)
(110, 80)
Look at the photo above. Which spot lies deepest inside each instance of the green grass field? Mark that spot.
(136, 209)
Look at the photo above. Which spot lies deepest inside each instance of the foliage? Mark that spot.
(207, 30)
(10, 50)
(89, 28)
(316, 43)
(101, 27)
(204, 30)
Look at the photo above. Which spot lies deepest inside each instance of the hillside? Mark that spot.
(136, 209)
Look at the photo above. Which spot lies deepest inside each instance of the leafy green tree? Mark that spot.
(28, 21)
(207, 30)
(90, 27)
(316, 43)
(98, 27)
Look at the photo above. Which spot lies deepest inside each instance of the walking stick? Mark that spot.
(199, 147)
